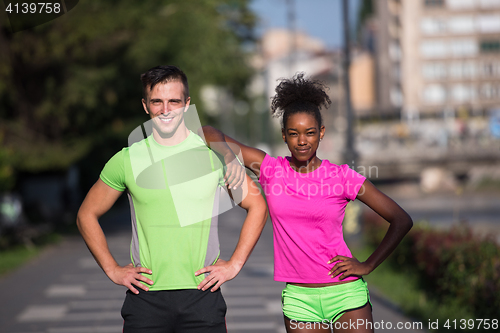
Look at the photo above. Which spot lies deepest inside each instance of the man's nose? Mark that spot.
(166, 108)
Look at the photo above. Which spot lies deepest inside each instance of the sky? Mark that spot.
(319, 18)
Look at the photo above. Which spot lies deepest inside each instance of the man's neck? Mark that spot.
(180, 135)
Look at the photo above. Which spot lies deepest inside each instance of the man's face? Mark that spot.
(165, 105)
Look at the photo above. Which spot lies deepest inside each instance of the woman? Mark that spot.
(307, 198)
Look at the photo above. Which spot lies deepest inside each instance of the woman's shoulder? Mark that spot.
(275, 161)
(337, 171)
(330, 166)
(272, 165)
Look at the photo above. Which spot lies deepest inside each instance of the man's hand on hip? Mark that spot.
(219, 273)
(130, 276)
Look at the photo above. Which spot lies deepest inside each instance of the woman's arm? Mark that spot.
(400, 224)
(229, 147)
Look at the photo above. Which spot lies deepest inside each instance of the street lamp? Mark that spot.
(349, 154)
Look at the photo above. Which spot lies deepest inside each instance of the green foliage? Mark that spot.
(6, 170)
(456, 264)
(15, 257)
(366, 10)
(404, 289)
(12, 257)
(452, 266)
(68, 85)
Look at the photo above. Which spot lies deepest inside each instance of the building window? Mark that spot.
(463, 93)
(464, 48)
(434, 49)
(396, 97)
(396, 73)
(461, 4)
(434, 94)
(434, 71)
(463, 70)
(461, 25)
(432, 26)
(489, 3)
(490, 46)
(489, 91)
(491, 69)
(433, 3)
(489, 23)
(394, 51)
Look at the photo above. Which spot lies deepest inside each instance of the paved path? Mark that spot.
(64, 291)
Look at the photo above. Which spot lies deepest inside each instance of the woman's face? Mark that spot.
(302, 135)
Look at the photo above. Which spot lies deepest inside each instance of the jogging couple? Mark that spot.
(174, 178)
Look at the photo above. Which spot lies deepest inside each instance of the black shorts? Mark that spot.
(174, 311)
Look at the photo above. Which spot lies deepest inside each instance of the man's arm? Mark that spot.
(98, 201)
(256, 208)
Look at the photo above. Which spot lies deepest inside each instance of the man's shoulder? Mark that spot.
(196, 141)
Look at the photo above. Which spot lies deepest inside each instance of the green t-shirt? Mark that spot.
(173, 194)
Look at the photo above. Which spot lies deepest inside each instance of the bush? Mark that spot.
(452, 266)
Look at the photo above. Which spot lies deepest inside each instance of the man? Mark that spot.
(173, 183)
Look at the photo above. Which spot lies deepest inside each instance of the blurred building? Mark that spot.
(436, 57)
(282, 54)
(285, 53)
(362, 83)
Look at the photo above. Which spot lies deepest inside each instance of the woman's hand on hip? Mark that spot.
(346, 267)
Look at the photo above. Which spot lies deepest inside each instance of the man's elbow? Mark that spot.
(83, 219)
(80, 220)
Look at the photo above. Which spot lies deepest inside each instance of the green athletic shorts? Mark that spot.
(324, 304)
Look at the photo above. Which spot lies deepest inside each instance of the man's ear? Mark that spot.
(188, 101)
(145, 106)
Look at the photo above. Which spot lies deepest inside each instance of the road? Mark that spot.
(478, 210)
(64, 291)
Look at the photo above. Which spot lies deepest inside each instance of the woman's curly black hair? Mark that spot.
(299, 94)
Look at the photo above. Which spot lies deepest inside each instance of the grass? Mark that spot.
(16, 256)
(403, 289)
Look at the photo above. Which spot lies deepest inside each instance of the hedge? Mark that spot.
(451, 265)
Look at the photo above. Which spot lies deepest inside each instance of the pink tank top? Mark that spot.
(307, 211)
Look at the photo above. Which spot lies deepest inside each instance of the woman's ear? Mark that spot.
(321, 132)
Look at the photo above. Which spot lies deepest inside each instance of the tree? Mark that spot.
(366, 11)
(72, 83)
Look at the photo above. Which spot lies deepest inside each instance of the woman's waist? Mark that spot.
(320, 285)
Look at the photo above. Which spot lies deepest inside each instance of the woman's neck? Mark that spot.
(305, 166)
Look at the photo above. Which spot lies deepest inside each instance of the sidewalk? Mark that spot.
(64, 291)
